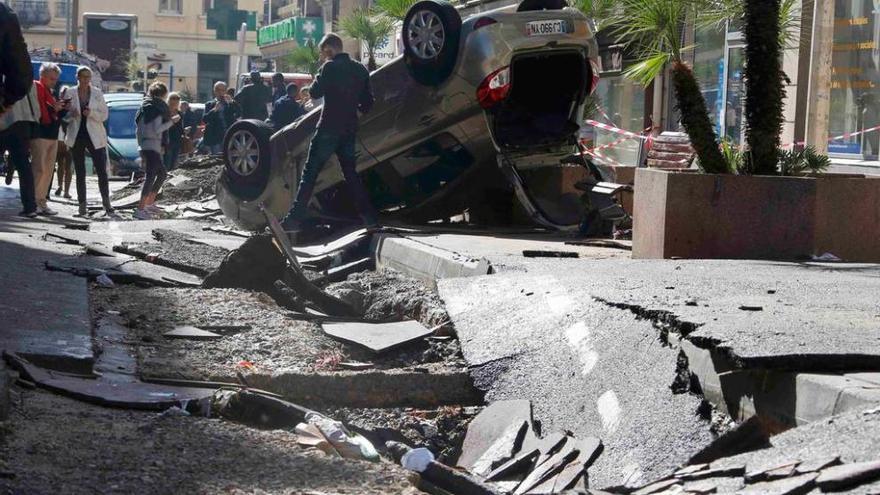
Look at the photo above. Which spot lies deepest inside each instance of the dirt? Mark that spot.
(201, 173)
(256, 265)
(177, 251)
(440, 430)
(98, 450)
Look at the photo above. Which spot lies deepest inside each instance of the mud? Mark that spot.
(256, 265)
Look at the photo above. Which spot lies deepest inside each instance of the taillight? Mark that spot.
(594, 66)
(494, 88)
(483, 22)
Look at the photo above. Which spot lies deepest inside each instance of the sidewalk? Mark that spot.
(626, 350)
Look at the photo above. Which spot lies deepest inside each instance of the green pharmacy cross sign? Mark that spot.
(304, 30)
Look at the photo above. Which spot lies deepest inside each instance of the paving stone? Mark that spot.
(702, 487)
(718, 472)
(656, 487)
(691, 469)
(377, 337)
(814, 465)
(548, 445)
(502, 450)
(518, 464)
(553, 466)
(788, 486)
(490, 425)
(848, 475)
(191, 333)
(784, 470)
(589, 448)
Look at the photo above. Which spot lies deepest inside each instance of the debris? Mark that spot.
(817, 464)
(787, 486)
(784, 470)
(173, 412)
(191, 333)
(746, 307)
(517, 465)
(309, 435)
(657, 487)
(96, 390)
(246, 364)
(841, 477)
(257, 409)
(502, 450)
(417, 459)
(349, 445)
(99, 250)
(443, 476)
(377, 337)
(104, 281)
(549, 468)
(489, 426)
(605, 243)
(340, 273)
(711, 472)
(826, 257)
(355, 365)
(528, 253)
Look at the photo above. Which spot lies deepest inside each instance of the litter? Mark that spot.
(827, 257)
(349, 445)
(191, 333)
(549, 254)
(417, 459)
(104, 281)
(377, 337)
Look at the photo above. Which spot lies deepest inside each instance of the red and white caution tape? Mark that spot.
(616, 130)
(837, 138)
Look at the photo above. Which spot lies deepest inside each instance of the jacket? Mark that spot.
(254, 99)
(285, 111)
(23, 118)
(15, 62)
(50, 120)
(152, 120)
(98, 113)
(215, 126)
(345, 87)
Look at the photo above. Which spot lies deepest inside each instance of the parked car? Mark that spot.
(503, 90)
(301, 80)
(121, 140)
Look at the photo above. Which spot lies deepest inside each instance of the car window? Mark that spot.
(120, 124)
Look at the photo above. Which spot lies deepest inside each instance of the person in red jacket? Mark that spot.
(44, 146)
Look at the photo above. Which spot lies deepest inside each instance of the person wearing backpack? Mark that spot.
(153, 121)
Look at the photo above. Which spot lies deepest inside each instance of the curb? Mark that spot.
(5, 398)
(363, 389)
(783, 399)
(422, 261)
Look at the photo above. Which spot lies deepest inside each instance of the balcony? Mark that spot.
(32, 12)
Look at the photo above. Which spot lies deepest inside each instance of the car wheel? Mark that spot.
(247, 158)
(431, 32)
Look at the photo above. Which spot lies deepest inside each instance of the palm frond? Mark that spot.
(605, 13)
(396, 9)
(304, 58)
(648, 68)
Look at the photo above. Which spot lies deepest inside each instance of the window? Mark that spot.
(207, 5)
(61, 8)
(171, 6)
(120, 123)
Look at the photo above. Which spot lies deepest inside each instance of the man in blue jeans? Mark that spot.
(345, 86)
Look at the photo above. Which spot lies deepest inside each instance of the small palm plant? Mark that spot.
(371, 28)
(304, 58)
(654, 27)
(395, 9)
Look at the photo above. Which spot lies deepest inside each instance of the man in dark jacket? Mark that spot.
(254, 98)
(286, 109)
(279, 90)
(345, 86)
(17, 81)
(220, 113)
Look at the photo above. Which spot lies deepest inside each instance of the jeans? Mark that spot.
(214, 149)
(170, 157)
(323, 146)
(99, 162)
(18, 155)
(155, 173)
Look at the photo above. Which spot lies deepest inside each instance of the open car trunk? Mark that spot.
(546, 92)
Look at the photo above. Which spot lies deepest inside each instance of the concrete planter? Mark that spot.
(680, 213)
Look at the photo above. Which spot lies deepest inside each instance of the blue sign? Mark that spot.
(845, 148)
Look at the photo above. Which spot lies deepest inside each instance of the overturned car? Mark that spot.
(469, 107)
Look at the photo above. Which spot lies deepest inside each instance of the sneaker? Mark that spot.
(142, 215)
(67, 196)
(46, 211)
(58, 192)
(153, 208)
(83, 210)
(28, 214)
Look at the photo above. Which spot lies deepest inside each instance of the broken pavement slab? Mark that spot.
(839, 478)
(191, 333)
(377, 337)
(489, 426)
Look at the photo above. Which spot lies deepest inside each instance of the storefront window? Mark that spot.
(709, 71)
(855, 76)
(621, 104)
(734, 96)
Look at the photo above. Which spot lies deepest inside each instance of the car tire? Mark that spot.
(247, 158)
(431, 32)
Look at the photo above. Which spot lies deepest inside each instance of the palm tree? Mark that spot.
(603, 12)
(370, 28)
(395, 9)
(654, 27)
(304, 58)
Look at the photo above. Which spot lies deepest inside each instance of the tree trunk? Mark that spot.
(371, 63)
(763, 84)
(695, 119)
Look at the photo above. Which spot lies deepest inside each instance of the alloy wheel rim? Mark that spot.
(426, 34)
(243, 153)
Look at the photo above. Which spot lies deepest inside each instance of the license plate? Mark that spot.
(544, 28)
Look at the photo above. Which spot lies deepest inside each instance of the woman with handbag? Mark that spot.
(86, 132)
(176, 133)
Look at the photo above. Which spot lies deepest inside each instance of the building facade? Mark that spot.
(190, 44)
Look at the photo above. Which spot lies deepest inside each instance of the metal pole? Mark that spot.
(171, 78)
(67, 23)
(74, 24)
(269, 21)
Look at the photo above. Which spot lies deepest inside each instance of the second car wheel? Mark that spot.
(247, 158)
(431, 32)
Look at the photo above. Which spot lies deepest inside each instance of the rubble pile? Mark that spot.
(256, 265)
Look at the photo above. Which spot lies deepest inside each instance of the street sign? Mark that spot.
(304, 30)
(149, 45)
